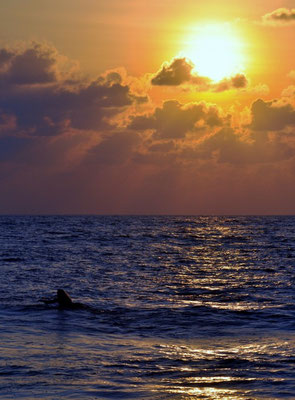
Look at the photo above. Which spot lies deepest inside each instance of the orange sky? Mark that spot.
(150, 107)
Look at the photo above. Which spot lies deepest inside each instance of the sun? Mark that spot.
(215, 50)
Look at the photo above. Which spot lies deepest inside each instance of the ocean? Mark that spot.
(175, 307)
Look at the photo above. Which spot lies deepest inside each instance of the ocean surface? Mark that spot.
(174, 307)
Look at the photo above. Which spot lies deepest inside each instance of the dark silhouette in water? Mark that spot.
(63, 300)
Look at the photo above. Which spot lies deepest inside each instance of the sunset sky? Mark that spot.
(147, 107)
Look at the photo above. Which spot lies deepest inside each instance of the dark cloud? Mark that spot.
(36, 64)
(5, 56)
(36, 92)
(178, 72)
(175, 120)
(238, 81)
(111, 78)
(271, 115)
(281, 16)
(33, 66)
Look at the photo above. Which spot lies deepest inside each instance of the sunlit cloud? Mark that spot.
(289, 92)
(181, 71)
(238, 81)
(281, 16)
(109, 135)
(175, 120)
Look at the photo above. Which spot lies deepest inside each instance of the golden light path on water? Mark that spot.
(211, 368)
(203, 383)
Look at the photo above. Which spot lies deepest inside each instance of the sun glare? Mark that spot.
(215, 50)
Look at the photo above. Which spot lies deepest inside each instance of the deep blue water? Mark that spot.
(175, 307)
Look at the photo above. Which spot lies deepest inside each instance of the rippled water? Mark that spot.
(175, 308)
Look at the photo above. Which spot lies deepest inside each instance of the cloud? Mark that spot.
(45, 111)
(37, 93)
(260, 89)
(238, 81)
(32, 66)
(38, 63)
(271, 115)
(281, 16)
(180, 71)
(5, 57)
(174, 120)
(231, 147)
(176, 73)
(73, 145)
(289, 92)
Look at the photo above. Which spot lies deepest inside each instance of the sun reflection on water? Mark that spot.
(221, 369)
(210, 393)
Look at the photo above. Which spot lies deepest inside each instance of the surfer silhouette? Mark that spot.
(63, 300)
